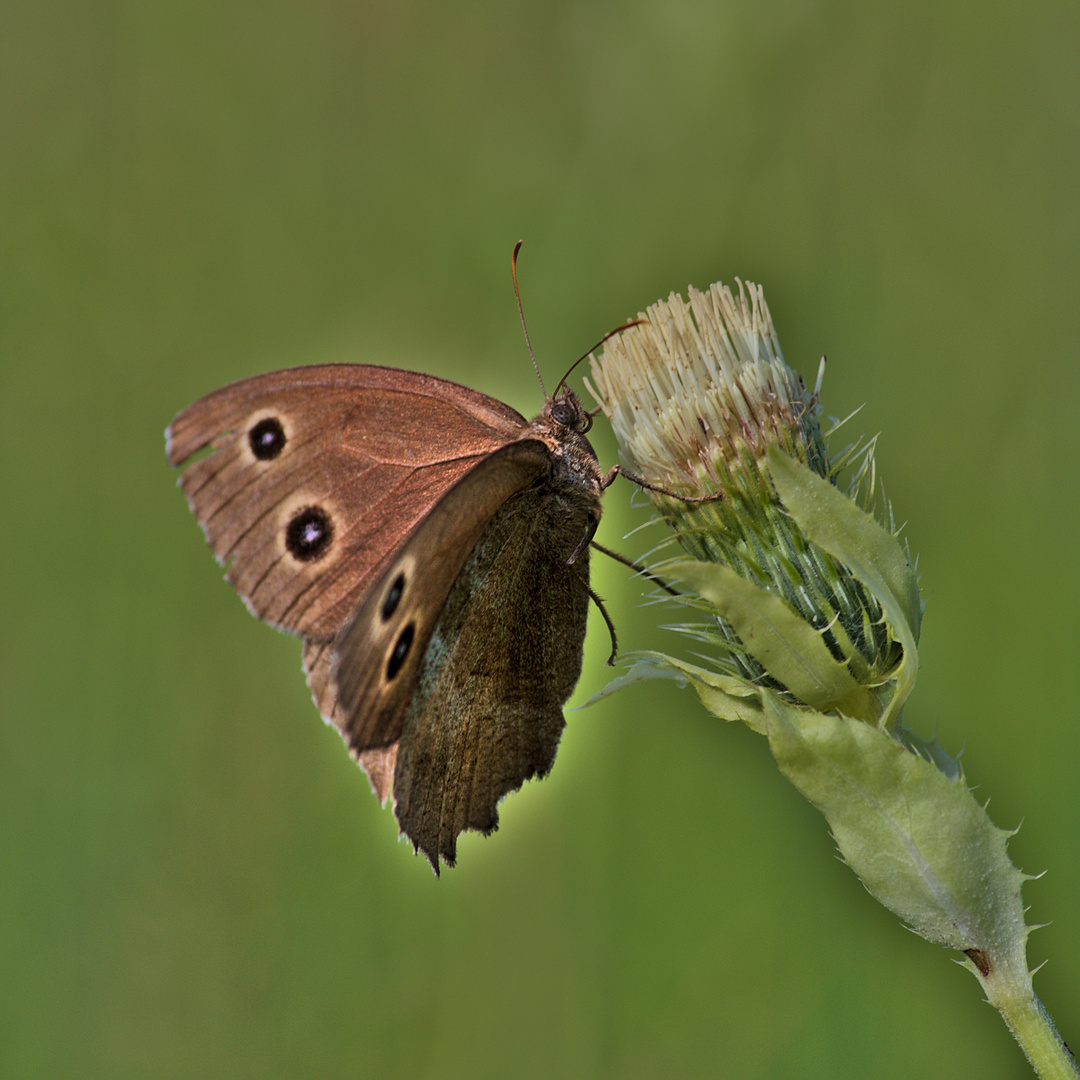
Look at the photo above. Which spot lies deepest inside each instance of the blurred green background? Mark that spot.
(196, 879)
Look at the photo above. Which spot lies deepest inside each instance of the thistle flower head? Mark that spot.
(705, 408)
(700, 388)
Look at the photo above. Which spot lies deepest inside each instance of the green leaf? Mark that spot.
(832, 521)
(791, 650)
(919, 841)
(724, 696)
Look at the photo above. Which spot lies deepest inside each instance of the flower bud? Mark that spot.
(803, 593)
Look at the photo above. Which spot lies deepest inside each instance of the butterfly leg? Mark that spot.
(642, 571)
(607, 618)
(586, 540)
(618, 470)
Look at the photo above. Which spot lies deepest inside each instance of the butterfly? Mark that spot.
(430, 546)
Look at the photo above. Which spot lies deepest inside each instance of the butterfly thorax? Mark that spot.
(576, 474)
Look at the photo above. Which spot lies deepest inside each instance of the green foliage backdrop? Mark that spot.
(195, 878)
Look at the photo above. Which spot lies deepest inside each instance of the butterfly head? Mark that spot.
(565, 411)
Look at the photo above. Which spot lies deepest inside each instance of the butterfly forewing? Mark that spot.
(381, 647)
(319, 473)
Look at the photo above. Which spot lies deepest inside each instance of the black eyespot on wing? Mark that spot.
(309, 534)
(393, 597)
(267, 438)
(401, 650)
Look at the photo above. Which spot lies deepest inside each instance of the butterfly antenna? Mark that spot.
(585, 356)
(521, 314)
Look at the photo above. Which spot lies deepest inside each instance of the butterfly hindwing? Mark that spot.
(486, 713)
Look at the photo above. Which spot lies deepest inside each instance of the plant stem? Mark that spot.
(1012, 995)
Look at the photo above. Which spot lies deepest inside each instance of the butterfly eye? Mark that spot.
(267, 438)
(401, 650)
(393, 597)
(309, 533)
(562, 412)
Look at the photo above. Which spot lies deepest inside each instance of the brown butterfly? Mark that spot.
(431, 547)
